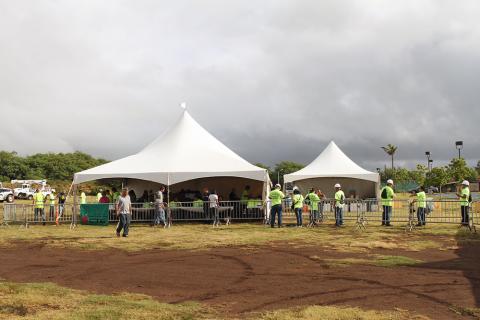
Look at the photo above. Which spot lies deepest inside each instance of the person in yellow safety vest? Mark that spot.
(254, 203)
(51, 200)
(198, 203)
(298, 206)
(245, 194)
(421, 206)
(99, 195)
(83, 198)
(339, 204)
(387, 196)
(39, 203)
(464, 196)
(276, 197)
(313, 199)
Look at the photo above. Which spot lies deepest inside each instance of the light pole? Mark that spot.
(459, 146)
(428, 154)
(278, 176)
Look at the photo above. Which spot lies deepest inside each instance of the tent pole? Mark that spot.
(169, 213)
(74, 210)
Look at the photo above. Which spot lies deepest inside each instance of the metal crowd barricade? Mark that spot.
(197, 211)
(360, 212)
(24, 214)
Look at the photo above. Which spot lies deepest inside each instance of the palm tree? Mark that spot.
(390, 149)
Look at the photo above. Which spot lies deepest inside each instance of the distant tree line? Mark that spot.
(456, 171)
(62, 166)
(51, 166)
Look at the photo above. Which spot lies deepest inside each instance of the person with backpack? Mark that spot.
(298, 206)
(465, 198)
(387, 196)
(339, 203)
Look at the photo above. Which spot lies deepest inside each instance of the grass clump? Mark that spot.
(376, 260)
(336, 313)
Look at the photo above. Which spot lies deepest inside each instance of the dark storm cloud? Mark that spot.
(275, 81)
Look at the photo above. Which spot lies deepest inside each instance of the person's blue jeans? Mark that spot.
(124, 223)
(159, 217)
(338, 216)
(387, 215)
(276, 210)
(421, 216)
(298, 214)
(61, 208)
(37, 213)
(464, 215)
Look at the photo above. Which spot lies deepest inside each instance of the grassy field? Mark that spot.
(49, 301)
(203, 236)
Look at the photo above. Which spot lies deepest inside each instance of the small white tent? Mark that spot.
(333, 166)
(185, 152)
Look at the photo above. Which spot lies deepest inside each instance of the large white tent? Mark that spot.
(185, 152)
(333, 166)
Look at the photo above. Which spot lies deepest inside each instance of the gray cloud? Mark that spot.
(275, 81)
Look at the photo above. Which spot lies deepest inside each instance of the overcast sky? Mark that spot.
(274, 80)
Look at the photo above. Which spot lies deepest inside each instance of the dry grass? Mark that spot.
(49, 301)
(374, 260)
(338, 313)
(200, 236)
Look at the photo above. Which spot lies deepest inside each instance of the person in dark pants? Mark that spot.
(61, 203)
(339, 204)
(387, 196)
(464, 196)
(123, 209)
(276, 196)
(421, 206)
(205, 198)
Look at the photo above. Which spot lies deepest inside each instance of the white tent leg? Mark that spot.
(74, 210)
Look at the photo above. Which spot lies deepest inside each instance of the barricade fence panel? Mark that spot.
(27, 213)
(403, 211)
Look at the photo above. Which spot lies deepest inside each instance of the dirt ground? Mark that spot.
(239, 281)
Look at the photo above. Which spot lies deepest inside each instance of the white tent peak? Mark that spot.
(184, 152)
(332, 162)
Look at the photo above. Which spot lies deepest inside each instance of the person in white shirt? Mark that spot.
(123, 208)
(213, 205)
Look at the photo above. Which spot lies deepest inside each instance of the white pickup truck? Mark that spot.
(26, 191)
(6, 195)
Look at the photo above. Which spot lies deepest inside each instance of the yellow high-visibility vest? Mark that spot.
(39, 200)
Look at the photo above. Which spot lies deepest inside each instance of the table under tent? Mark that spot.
(187, 160)
(333, 166)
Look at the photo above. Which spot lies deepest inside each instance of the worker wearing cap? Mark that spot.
(276, 196)
(339, 202)
(387, 196)
(51, 200)
(298, 206)
(464, 197)
(39, 203)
